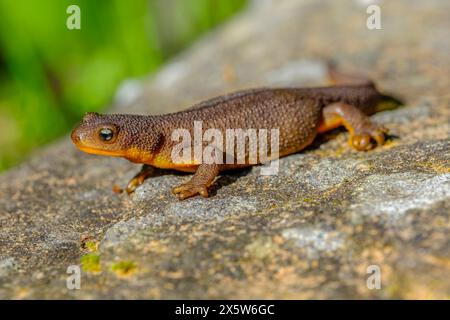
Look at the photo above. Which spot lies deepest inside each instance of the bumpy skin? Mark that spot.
(298, 113)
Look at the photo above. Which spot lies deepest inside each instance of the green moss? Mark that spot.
(91, 263)
(91, 246)
(123, 268)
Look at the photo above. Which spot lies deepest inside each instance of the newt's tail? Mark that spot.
(337, 77)
(387, 102)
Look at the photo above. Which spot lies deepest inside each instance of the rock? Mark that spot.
(315, 230)
(7, 265)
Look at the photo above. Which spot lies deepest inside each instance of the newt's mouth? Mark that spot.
(101, 152)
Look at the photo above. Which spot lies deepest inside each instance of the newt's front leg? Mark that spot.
(364, 134)
(199, 183)
(139, 178)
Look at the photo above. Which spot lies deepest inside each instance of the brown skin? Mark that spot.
(300, 114)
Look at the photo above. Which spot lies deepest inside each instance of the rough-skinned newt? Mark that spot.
(299, 114)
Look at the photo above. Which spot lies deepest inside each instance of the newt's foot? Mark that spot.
(139, 178)
(189, 189)
(369, 137)
(134, 183)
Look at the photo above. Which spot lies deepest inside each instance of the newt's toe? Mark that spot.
(188, 190)
(369, 139)
(361, 142)
(134, 183)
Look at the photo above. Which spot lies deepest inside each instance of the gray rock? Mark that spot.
(312, 231)
(7, 266)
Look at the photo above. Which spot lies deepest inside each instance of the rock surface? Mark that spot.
(310, 232)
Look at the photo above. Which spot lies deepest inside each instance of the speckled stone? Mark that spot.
(311, 231)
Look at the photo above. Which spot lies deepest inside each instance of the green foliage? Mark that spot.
(50, 76)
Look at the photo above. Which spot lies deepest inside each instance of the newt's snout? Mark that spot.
(76, 136)
(80, 133)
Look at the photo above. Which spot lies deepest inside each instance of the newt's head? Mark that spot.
(116, 135)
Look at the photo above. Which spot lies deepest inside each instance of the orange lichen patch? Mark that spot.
(155, 246)
(438, 261)
(117, 189)
(178, 274)
(437, 167)
(22, 293)
(228, 73)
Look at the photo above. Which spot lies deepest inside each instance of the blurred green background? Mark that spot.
(50, 76)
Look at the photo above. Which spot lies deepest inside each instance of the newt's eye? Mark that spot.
(106, 134)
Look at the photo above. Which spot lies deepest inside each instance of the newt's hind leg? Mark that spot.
(364, 134)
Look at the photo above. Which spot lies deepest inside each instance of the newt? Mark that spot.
(300, 114)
